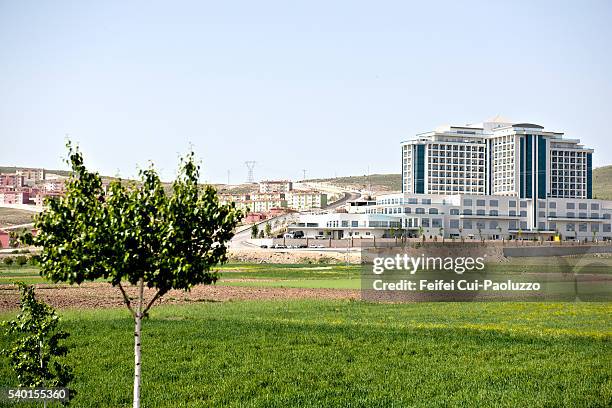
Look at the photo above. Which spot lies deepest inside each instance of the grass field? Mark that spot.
(337, 276)
(327, 353)
(340, 353)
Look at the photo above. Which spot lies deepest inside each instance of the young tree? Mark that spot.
(441, 233)
(254, 231)
(36, 352)
(135, 234)
(268, 230)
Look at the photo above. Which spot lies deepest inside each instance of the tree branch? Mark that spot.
(126, 299)
(159, 294)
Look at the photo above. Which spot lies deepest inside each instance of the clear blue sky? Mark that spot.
(327, 86)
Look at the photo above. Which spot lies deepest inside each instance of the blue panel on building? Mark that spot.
(589, 175)
(420, 169)
(541, 167)
(528, 166)
(522, 168)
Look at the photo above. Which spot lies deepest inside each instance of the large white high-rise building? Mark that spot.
(490, 180)
(497, 157)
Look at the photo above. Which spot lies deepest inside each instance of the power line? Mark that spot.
(250, 166)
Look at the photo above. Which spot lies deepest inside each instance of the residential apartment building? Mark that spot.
(255, 202)
(275, 186)
(31, 175)
(306, 200)
(14, 196)
(11, 180)
(497, 157)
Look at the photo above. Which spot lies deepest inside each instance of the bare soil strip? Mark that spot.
(103, 295)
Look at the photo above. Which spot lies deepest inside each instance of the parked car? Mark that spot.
(263, 246)
(289, 235)
(280, 246)
(298, 234)
(320, 237)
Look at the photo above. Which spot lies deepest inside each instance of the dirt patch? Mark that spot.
(294, 256)
(103, 295)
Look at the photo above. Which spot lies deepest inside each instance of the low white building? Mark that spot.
(343, 225)
(474, 216)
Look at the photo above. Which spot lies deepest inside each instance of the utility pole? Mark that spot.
(228, 177)
(250, 166)
(303, 174)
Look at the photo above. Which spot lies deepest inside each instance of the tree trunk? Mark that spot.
(137, 331)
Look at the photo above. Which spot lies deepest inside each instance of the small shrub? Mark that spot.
(15, 251)
(8, 261)
(325, 260)
(33, 260)
(21, 260)
(24, 251)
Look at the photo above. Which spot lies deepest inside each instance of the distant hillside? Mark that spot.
(379, 182)
(602, 183)
(11, 169)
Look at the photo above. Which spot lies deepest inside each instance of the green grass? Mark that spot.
(343, 353)
(336, 276)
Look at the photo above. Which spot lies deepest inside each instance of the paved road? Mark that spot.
(239, 241)
(348, 196)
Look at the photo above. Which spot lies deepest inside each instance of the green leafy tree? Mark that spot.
(8, 261)
(254, 231)
(36, 352)
(261, 234)
(268, 229)
(135, 234)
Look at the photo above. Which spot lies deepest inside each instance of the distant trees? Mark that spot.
(254, 231)
(135, 234)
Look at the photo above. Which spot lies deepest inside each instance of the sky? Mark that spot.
(331, 87)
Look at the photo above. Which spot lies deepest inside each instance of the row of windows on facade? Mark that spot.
(482, 212)
(567, 153)
(468, 202)
(512, 225)
(457, 170)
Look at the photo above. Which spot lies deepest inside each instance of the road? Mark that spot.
(240, 240)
